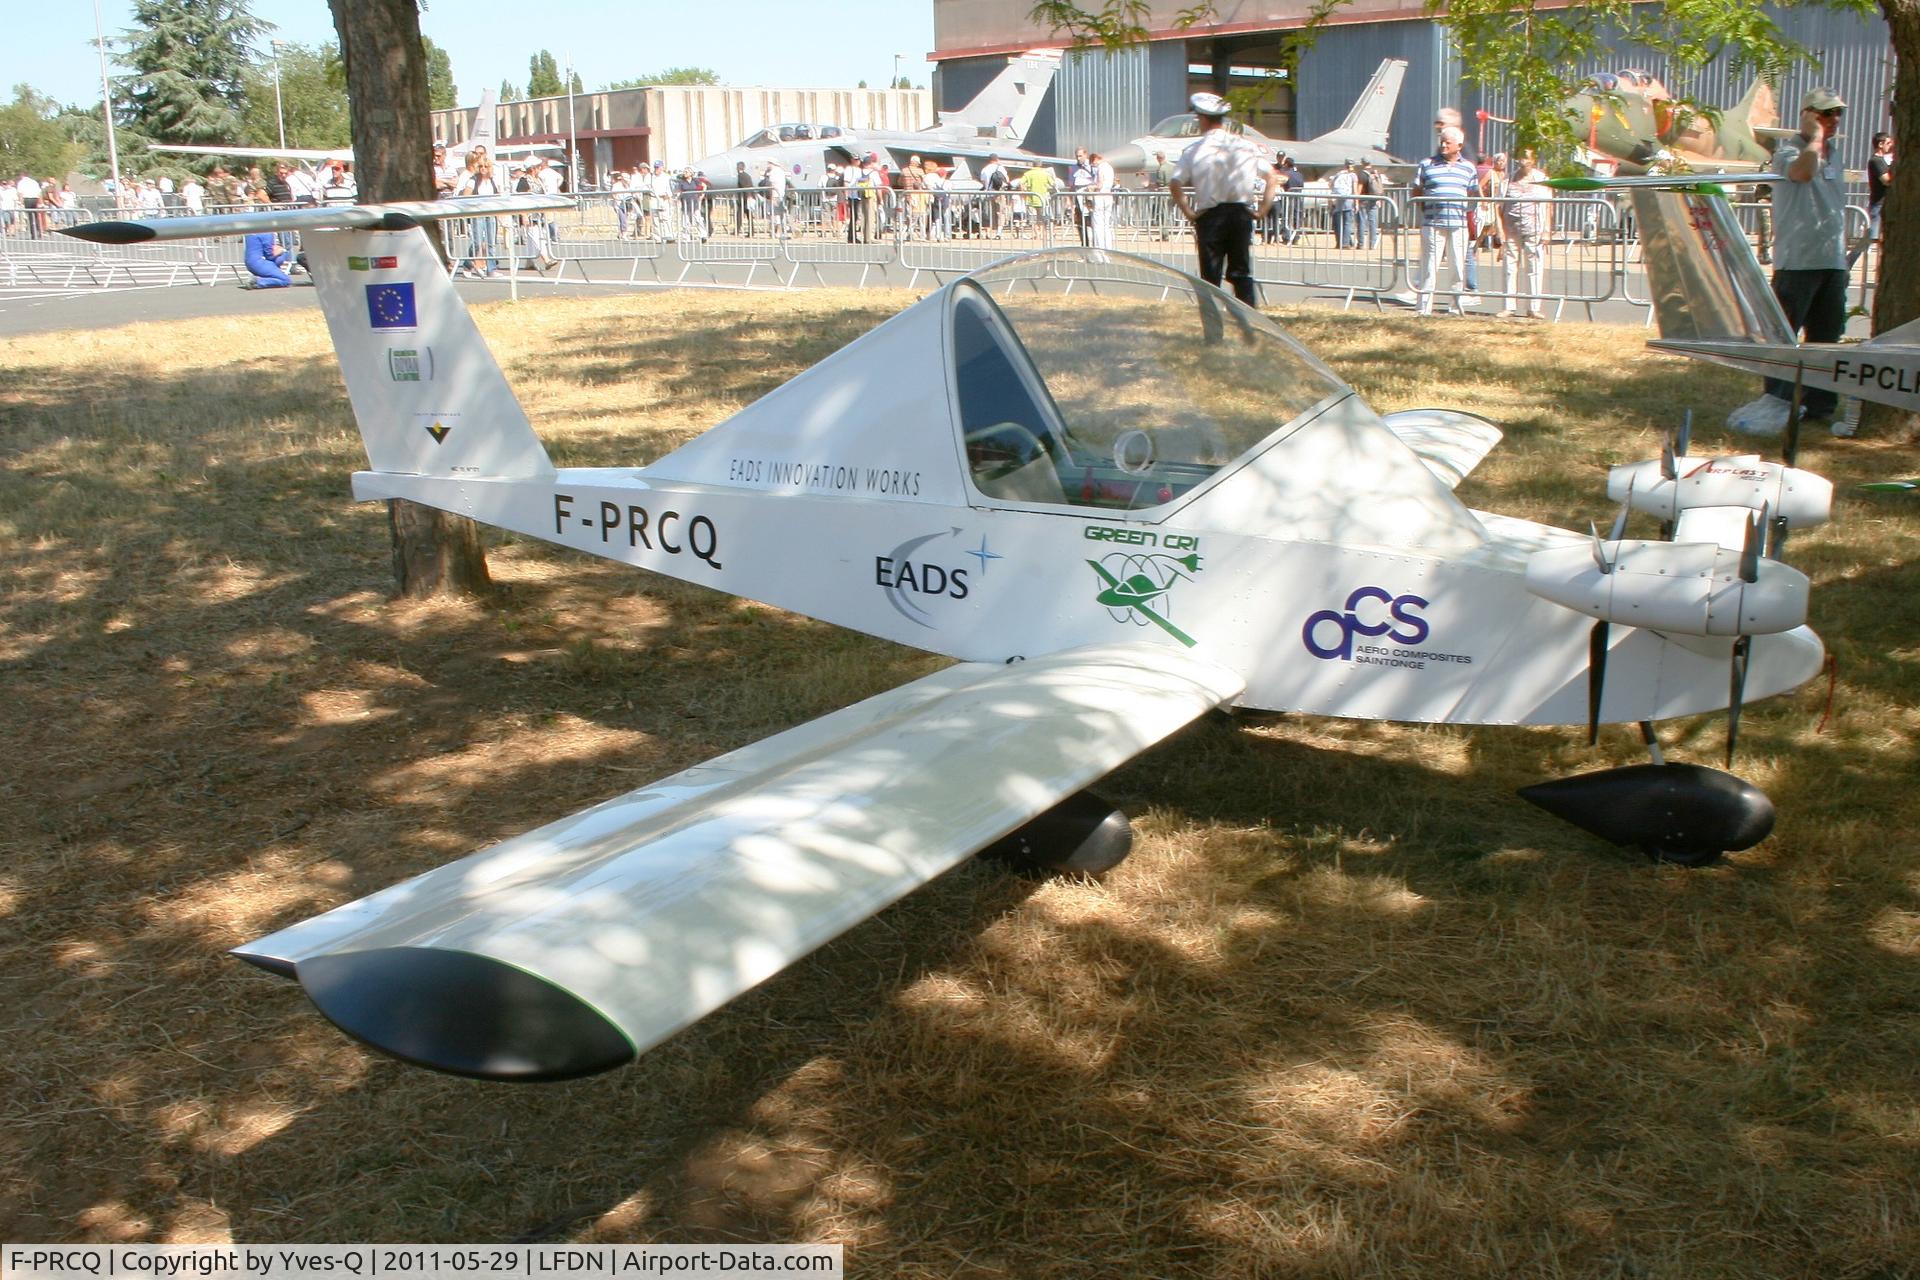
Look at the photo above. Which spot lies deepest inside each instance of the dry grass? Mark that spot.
(1351, 1009)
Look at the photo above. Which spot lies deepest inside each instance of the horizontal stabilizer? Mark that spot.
(1450, 442)
(347, 217)
(576, 946)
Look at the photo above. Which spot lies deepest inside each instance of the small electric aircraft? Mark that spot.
(1117, 497)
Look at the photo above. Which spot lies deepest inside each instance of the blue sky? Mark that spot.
(749, 42)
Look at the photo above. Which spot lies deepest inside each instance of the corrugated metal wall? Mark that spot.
(1101, 99)
(1344, 58)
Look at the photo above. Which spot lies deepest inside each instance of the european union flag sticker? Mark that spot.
(391, 306)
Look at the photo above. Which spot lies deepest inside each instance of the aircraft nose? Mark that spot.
(1127, 158)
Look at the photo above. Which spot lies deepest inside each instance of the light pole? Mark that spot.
(106, 101)
(896, 70)
(279, 116)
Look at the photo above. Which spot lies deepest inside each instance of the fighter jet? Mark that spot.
(992, 124)
(1362, 136)
(1631, 118)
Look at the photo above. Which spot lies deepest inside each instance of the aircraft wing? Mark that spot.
(344, 154)
(575, 947)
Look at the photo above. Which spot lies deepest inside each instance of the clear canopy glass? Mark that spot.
(1187, 125)
(1091, 379)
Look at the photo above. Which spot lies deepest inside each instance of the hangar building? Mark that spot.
(1100, 99)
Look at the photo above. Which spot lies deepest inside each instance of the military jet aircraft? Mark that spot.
(992, 124)
(1117, 497)
(1630, 117)
(1361, 137)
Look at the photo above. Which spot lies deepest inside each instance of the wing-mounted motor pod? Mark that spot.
(1686, 814)
(1692, 588)
(1665, 487)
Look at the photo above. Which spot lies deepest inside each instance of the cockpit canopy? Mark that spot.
(1127, 392)
(774, 135)
(1187, 125)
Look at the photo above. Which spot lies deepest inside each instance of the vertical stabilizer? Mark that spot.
(1701, 271)
(485, 124)
(1011, 99)
(1371, 118)
(428, 396)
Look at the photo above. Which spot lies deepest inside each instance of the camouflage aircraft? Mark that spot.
(1632, 118)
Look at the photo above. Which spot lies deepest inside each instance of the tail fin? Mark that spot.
(1006, 107)
(1701, 271)
(427, 394)
(1368, 123)
(485, 122)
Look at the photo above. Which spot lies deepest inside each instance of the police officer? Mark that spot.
(1223, 184)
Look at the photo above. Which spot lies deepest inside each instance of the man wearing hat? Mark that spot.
(1223, 184)
(1809, 256)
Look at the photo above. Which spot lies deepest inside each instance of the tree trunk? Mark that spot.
(1897, 299)
(433, 552)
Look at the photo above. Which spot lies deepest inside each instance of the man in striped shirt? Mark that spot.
(1448, 184)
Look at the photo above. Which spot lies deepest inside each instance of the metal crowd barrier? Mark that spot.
(1360, 246)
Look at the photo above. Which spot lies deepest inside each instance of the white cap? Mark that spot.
(1209, 104)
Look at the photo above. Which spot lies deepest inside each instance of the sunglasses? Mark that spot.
(1835, 112)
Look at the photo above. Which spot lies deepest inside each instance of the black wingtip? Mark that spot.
(111, 232)
(465, 1014)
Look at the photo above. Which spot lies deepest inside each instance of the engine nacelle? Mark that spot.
(1690, 588)
(1746, 480)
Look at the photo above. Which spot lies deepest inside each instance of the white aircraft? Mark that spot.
(1361, 137)
(992, 124)
(483, 134)
(1117, 507)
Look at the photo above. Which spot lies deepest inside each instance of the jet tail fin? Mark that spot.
(1007, 105)
(429, 398)
(1368, 123)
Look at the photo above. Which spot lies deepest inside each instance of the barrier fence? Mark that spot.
(1581, 250)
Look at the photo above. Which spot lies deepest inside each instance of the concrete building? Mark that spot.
(620, 128)
(1101, 99)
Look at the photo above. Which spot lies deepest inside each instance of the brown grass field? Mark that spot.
(1351, 1008)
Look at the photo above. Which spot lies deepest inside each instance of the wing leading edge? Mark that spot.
(577, 946)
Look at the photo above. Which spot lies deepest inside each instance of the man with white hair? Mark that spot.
(1447, 183)
(1223, 185)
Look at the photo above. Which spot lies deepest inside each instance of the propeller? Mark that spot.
(1757, 532)
(1674, 449)
(1597, 638)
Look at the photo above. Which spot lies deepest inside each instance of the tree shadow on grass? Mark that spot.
(1352, 1007)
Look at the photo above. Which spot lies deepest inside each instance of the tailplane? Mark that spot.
(429, 398)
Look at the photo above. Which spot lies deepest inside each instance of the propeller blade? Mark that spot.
(1792, 451)
(1736, 692)
(1597, 677)
(1777, 544)
(1620, 521)
(1686, 434)
(1599, 549)
(1750, 553)
(1669, 466)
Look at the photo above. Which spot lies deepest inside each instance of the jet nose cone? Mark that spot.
(1127, 158)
